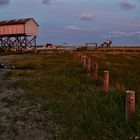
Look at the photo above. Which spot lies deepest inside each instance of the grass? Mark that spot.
(59, 85)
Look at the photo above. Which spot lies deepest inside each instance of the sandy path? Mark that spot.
(22, 117)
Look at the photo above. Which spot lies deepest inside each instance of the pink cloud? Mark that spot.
(4, 2)
(117, 33)
(125, 5)
(86, 16)
(46, 2)
(136, 33)
(73, 28)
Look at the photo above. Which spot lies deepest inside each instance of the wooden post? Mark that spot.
(88, 64)
(129, 105)
(84, 62)
(80, 55)
(95, 72)
(81, 58)
(35, 51)
(106, 81)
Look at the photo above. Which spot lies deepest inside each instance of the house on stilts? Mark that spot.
(18, 35)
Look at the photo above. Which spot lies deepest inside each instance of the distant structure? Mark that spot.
(19, 34)
(94, 44)
(107, 43)
(50, 46)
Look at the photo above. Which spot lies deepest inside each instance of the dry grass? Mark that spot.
(55, 86)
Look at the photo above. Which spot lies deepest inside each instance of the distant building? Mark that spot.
(18, 34)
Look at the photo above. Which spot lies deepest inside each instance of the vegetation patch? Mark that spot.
(60, 101)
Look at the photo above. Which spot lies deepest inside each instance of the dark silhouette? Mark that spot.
(48, 45)
(107, 43)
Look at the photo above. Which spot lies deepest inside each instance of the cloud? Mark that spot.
(124, 34)
(117, 33)
(137, 17)
(85, 29)
(73, 28)
(4, 2)
(86, 16)
(46, 2)
(136, 33)
(95, 28)
(125, 5)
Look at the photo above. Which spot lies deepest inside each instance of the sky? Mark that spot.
(76, 22)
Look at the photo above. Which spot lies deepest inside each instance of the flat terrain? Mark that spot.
(50, 97)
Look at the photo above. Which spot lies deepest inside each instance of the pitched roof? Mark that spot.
(17, 21)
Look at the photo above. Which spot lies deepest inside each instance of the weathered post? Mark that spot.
(71, 52)
(84, 62)
(81, 58)
(95, 72)
(35, 51)
(80, 55)
(129, 105)
(106, 81)
(88, 64)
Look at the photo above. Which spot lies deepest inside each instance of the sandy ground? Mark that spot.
(21, 117)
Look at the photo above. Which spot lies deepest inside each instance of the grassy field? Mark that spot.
(53, 95)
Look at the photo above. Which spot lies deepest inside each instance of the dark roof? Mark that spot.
(17, 21)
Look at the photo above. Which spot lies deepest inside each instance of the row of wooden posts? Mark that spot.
(130, 94)
(86, 61)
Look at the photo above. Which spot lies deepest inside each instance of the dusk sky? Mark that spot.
(79, 21)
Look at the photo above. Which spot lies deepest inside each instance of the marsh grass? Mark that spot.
(83, 111)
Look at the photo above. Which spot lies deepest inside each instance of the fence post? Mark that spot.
(71, 52)
(77, 55)
(84, 62)
(35, 51)
(81, 59)
(106, 81)
(88, 64)
(80, 56)
(129, 105)
(95, 72)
